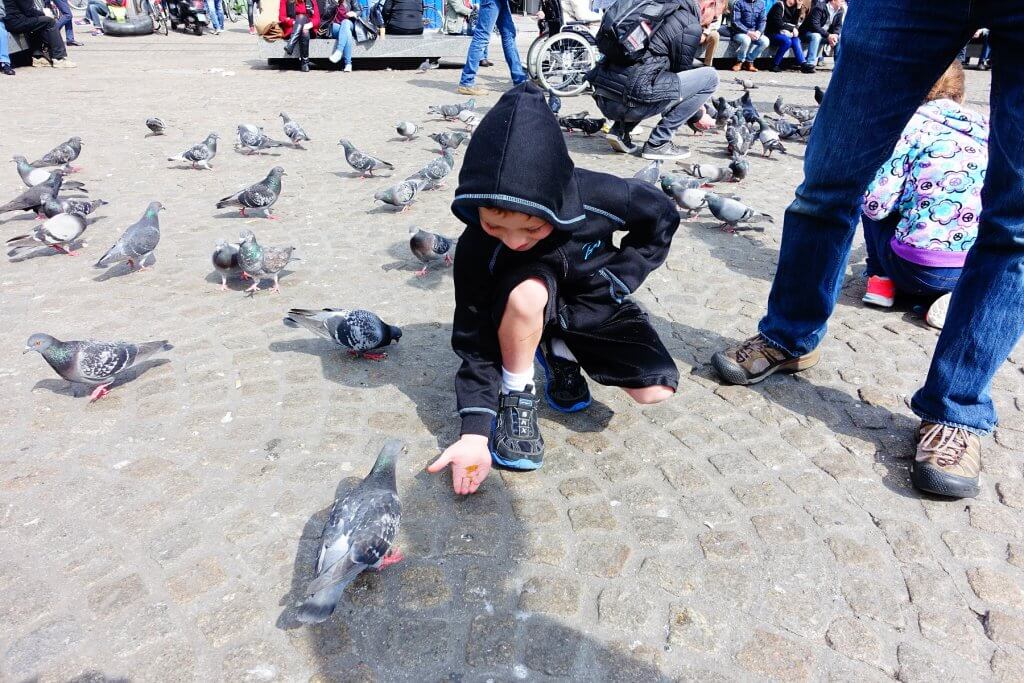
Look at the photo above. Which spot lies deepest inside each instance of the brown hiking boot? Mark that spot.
(948, 461)
(755, 359)
(749, 66)
(473, 90)
(737, 66)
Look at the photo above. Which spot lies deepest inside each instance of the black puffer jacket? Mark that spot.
(653, 79)
(817, 21)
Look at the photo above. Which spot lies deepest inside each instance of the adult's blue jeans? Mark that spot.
(853, 135)
(748, 50)
(908, 277)
(786, 43)
(342, 34)
(493, 13)
(5, 55)
(95, 11)
(65, 20)
(215, 9)
(815, 48)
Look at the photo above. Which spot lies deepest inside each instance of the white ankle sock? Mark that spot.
(559, 348)
(515, 381)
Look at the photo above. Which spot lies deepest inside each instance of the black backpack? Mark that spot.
(627, 27)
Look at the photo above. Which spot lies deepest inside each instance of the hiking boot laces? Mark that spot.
(949, 448)
(755, 346)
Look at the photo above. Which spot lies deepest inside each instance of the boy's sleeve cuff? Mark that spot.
(477, 423)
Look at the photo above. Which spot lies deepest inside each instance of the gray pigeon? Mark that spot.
(51, 207)
(361, 332)
(138, 242)
(785, 129)
(32, 176)
(450, 112)
(739, 167)
(769, 140)
(732, 212)
(261, 195)
(819, 94)
(429, 64)
(201, 154)
(738, 139)
(407, 129)
(725, 111)
(259, 262)
(225, 262)
(449, 139)
(56, 232)
(62, 154)
(436, 171)
(746, 83)
(686, 194)
(709, 173)
(294, 131)
(470, 119)
(429, 247)
(252, 139)
(364, 163)
(96, 363)
(156, 126)
(801, 114)
(401, 194)
(649, 173)
(359, 535)
(32, 198)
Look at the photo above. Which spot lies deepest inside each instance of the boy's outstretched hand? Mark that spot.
(470, 460)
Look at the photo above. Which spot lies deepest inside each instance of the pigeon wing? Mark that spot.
(97, 362)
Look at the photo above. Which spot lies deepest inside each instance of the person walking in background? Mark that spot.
(215, 10)
(492, 13)
(711, 12)
(784, 19)
(748, 23)
(250, 6)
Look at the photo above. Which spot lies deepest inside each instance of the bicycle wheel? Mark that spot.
(230, 11)
(532, 56)
(563, 62)
(78, 4)
(162, 20)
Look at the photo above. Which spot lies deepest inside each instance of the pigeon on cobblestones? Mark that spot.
(56, 232)
(819, 94)
(201, 154)
(138, 242)
(686, 194)
(364, 163)
(732, 212)
(429, 248)
(252, 139)
(449, 112)
(402, 194)
(470, 119)
(436, 171)
(448, 139)
(358, 535)
(740, 167)
(96, 363)
(407, 129)
(32, 176)
(32, 198)
(294, 131)
(155, 125)
(258, 261)
(361, 332)
(262, 195)
(51, 207)
(225, 262)
(649, 173)
(785, 129)
(709, 173)
(62, 154)
(769, 140)
(801, 114)
(725, 111)
(746, 83)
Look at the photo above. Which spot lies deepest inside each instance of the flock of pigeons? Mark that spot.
(363, 524)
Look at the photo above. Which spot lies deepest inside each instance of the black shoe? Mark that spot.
(807, 68)
(619, 139)
(304, 65)
(486, 62)
(665, 150)
(516, 443)
(6, 70)
(74, 43)
(776, 68)
(985, 65)
(565, 388)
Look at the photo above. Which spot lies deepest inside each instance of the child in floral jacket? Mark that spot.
(921, 211)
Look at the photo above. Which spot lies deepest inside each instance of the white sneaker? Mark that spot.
(936, 316)
(348, 68)
(335, 56)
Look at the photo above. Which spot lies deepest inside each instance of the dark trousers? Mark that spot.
(41, 32)
(299, 38)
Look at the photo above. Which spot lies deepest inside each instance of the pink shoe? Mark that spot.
(881, 292)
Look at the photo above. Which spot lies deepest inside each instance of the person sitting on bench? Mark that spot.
(25, 18)
(403, 17)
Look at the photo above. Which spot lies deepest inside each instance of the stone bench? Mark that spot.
(16, 43)
(430, 45)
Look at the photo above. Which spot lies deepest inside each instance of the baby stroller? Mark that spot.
(562, 55)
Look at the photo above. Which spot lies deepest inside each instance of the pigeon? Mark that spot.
(750, 112)
(450, 112)
(819, 94)
(137, 242)
(258, 261)
(62, 154)
(428, 65)
(709, 173)
(649, 173)
(155, 125)
(364, 163)
(294, 131)
(225, 262)
(31, 199)
(96, 363)
(582, 122)
(784, 128)
(685, 192)
(801, 114)
(739, 167)
(358, 535)
(201, 154)
(746, 83)
(448, 139)
(736, 143)
(407, 129)
(732, 212)
(554, 103)
(669, 181)
(401, 194)
(769, 140)
(725, 111)
(429, 247)
(361, 332)
(436, 171)
(253, 140)
(262, 195)
(470, 119)
(52, 207)
(32, 176)
(56, 232)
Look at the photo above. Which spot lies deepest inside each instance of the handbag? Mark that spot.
(363, 31)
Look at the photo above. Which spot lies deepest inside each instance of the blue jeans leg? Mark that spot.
(783, 44)
(756, 48)
(5, 55)
(986, 314)
(213, 10)
(65, 20)
(481, 37)
(742, 43)
(507, 30)
(814, 48)
(908, 278)
(343, 40)
(850, 140)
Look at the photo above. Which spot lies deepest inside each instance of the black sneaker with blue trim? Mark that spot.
(565, 388)
(516, 443)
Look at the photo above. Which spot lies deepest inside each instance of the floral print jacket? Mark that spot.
(933, 182)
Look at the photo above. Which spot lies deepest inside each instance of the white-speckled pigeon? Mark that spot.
(51, 207)
(436, 171)
(470, 119)
(745, 83)
(252, 139)
(801, 114)
(364, 163)
(430, 247)
(359, 535)
(137, 242)
(407, 129)
(225, 262)
(732, 212)
(56, 232)
(258, 261)
(709, 173)
(359, 331)
(769, 140)
(401, 194)
(201, 154)
(261, 195)
(449, 139)
(96, 363)
(449, 112)
(156, 125)
(62, 154)
(294, 131)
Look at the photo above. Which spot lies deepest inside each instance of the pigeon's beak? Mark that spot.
(26, 350)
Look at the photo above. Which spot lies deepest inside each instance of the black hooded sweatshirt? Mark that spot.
(517, 160)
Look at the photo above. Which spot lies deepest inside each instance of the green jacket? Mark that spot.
(455, 15)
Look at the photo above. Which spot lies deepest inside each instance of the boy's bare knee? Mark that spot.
(528, 298)
(648, 395)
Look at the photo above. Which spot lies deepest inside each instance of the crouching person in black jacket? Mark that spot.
(537, 274)
(664, 81)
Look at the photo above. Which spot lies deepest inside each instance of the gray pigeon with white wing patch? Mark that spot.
(359, 535)
(201, 154)
(156, 126)
(138, 242)
(436, 171)
(225, 262)
(294, 131)
(252, 139)
(732, 212)
(258, 261)
(407, 129)
(362, 162)
(32, 176)
(402, 194)
(262, 195)
(362, 332)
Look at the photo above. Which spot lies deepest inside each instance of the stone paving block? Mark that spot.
(876, 598)
(196, 579)
(1011, 493)
(602, 558)
(551, 595)
(625, 608)
(1015, 554)
(855, 639)
(422, 587)
(677, 579)
(997, 587)
(578, 487)
(592, 517)
(551, 648)
(958, 632)
(995, 519)
(724, 544)
(696, 629)
(1007, 665)
(1005, 628)
(775, 529)
(772, 656)
(906, 539)
(491, 641)
(40, 647)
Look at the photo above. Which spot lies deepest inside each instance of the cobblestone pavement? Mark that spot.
(728, 534)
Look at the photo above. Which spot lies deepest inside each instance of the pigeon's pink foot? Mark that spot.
(447, 261)
(74, 169)
(224, 287)
(40, 217)
(99, 392)
(246, 276)
(272, 217)
(394, 556)
(421, 272)
(255, 286)
(375, 355)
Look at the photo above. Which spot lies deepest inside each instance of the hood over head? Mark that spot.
(517, 160)
(958, 117)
